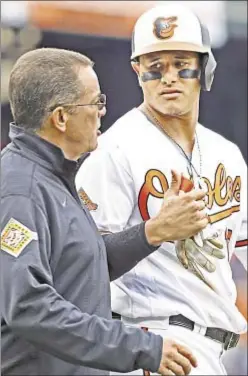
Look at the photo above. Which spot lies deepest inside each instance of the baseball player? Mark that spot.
(184, 289)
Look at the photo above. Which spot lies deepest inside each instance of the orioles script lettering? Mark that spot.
(224, 190)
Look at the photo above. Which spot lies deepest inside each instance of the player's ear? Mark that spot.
(136, 67)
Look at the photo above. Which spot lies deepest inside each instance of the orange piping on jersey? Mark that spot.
(213, 218)
(241, 243)
(228, 234)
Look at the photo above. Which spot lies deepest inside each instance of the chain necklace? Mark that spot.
(192, 167)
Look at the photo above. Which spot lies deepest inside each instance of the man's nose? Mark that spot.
(102, 112)
(170, 76)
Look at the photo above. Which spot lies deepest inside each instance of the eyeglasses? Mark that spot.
(101, 103)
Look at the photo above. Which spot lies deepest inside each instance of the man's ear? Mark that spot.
(59, 119)
(136, 68)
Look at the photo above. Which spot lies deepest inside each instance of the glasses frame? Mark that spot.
(100, 105)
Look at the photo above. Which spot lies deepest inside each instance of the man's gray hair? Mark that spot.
(42, 79)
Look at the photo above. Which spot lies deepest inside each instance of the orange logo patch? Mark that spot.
(163, 28)
(86, 200)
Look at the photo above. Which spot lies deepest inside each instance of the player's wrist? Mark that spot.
(152, 233)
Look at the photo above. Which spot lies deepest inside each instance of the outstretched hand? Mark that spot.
(181, 215)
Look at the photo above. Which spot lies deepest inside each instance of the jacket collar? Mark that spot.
(43, 152)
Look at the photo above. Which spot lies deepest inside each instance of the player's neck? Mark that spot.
(180, 128)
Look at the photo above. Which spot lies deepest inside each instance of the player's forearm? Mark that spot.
(125, 249)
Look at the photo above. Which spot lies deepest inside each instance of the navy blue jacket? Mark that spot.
(56, 270)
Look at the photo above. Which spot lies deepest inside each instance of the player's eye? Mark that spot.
(156, 66)
(180, 64)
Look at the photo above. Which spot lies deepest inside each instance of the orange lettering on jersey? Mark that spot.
(223, 190)
(236, 188)
(148, 189)
(213, 218)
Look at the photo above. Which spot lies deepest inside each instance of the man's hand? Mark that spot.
(181, 216)
(176, 359)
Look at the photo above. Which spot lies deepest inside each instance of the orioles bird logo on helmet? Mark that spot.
(164, 27)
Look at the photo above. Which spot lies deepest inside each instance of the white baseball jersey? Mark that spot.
(124, 181)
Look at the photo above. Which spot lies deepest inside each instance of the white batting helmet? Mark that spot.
(174, 27)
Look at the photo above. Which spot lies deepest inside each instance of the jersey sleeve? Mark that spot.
(105, 181)
(241, 241)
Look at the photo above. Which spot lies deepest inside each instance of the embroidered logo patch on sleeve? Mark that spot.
(15, 237)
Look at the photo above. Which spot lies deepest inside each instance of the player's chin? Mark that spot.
(171, 110)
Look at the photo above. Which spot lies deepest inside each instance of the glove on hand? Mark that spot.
(193, 252)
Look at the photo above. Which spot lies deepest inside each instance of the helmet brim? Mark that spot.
(170, 46)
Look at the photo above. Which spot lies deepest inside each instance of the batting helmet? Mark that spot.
(174, 27)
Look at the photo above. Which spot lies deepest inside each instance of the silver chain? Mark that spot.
(156, 122)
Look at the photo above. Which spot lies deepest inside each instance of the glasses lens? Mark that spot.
(102, 102)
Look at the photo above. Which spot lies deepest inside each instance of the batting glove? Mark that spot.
(200, 250)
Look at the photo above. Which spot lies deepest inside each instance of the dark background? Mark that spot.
(224, 109)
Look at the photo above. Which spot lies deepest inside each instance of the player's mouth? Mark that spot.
(171, 93)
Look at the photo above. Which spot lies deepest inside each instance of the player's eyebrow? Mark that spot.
(153, 60)
(183, 56)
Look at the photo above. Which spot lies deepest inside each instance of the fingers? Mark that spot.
(175, 368)
(194, 268)
(181, 253)
(176, 363)
(175, 184)
(176, 358)
(200, 205)
(207, 248)
(202, 224)
(183, 362)
(197, 194)
(184, 351)
(164, 371)
(198, 239)
(195, 254)
(215, 243)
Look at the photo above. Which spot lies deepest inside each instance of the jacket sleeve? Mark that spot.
(125, 249)
(33, 309)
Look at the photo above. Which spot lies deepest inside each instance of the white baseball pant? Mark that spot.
(207, 351)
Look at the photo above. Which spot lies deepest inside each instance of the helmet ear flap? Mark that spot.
(208, 62)
(208, 66)
(204, 61)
